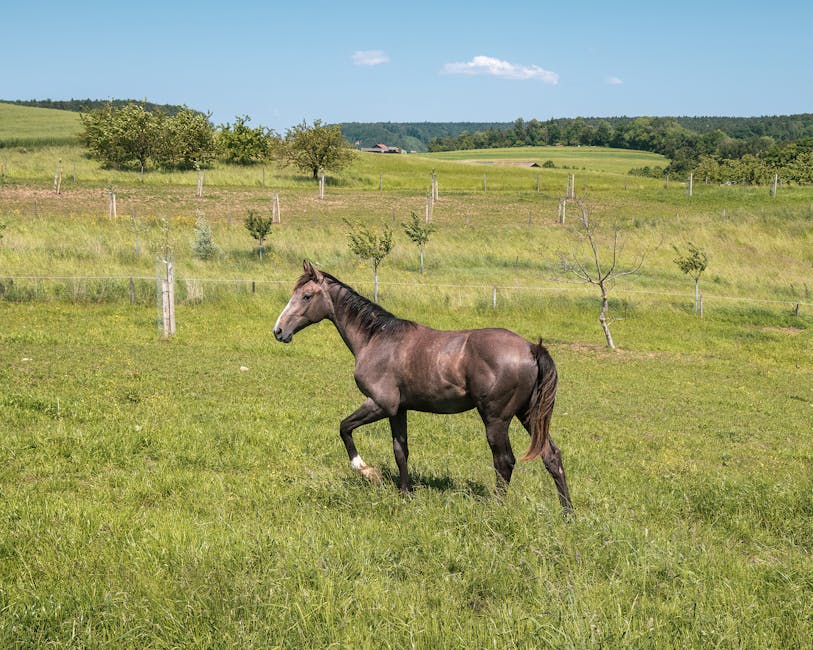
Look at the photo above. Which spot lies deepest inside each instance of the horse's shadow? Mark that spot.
(445, 483)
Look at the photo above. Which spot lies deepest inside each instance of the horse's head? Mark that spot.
(309, 304)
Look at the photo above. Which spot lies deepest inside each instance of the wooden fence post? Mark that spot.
(690, 186)
(775, 183)
(200, 184)
(111, 204)
(58, 179)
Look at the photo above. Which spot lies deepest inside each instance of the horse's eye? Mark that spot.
(307, 296)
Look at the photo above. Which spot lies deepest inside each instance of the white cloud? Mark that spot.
(614, 81)
(370, 57)
(495, 67)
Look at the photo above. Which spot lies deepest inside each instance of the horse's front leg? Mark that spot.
(365, 414)
(398, 424)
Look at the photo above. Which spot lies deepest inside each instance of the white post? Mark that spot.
(494, 298)
(111, 204)
(691, 183)
(200, 184)
(171, 293)
(275, 215)
(773, 187)
(322, 187)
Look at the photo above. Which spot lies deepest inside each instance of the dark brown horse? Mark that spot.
(403, 366)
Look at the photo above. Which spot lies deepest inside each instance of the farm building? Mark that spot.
(381, 148)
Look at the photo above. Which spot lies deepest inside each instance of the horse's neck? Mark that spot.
(344, 318)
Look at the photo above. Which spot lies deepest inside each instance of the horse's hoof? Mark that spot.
(372, 474)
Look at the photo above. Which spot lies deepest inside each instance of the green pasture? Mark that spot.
(595, 159)
(25, 126)
(195, 492)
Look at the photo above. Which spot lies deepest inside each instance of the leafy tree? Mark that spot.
(132, 136)
(123, 137)
(185, 140)
(243, 145)
(369, 245)
(418, 232)
(693, 263)
(259, 228)
(203, 245)
(317, 147)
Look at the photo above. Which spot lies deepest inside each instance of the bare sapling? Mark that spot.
(598, 265)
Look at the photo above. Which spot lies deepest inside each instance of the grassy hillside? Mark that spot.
(23, 126)
(195, 492)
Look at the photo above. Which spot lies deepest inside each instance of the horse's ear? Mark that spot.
(312, 273)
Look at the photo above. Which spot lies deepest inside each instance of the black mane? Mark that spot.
(370, 316)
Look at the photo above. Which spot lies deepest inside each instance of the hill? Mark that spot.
(23, 126)
(410, 136)
(427, 136)
(83, 105)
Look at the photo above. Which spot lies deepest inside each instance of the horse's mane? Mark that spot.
(369, 316)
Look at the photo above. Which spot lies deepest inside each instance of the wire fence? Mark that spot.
(142, 289)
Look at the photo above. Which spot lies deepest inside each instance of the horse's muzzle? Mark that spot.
(281, 336)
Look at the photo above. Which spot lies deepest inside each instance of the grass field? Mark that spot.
(24, 126)
(195, 493)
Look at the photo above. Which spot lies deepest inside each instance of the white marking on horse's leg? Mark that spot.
(358, 464)
(370, 473)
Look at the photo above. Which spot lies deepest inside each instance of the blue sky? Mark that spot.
(281, 63)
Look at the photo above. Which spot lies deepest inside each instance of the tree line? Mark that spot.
(777, 145)
(134, 137)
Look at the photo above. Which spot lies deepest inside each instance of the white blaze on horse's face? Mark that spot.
(307, 305)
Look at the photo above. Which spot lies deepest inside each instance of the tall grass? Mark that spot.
(164, 496)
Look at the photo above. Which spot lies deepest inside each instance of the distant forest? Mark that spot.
(607, 131)
(411, 136)
(85, 105)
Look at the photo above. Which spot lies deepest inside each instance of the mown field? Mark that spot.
(195, 493)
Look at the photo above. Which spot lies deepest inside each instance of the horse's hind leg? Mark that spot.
(504, 461)
(552, 457)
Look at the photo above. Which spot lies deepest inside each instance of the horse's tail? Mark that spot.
(541, 404)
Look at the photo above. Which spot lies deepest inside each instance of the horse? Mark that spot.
(401, 366)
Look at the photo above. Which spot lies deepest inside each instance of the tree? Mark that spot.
(316, 148)
(693, 263)
(203, 246)
(369, 245)
(244, 145)
(259, 228)
(123, 137)
(132, 136)
(184, 141)
(418, 232)
(593, 271)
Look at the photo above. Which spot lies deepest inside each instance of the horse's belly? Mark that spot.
(436, 396)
